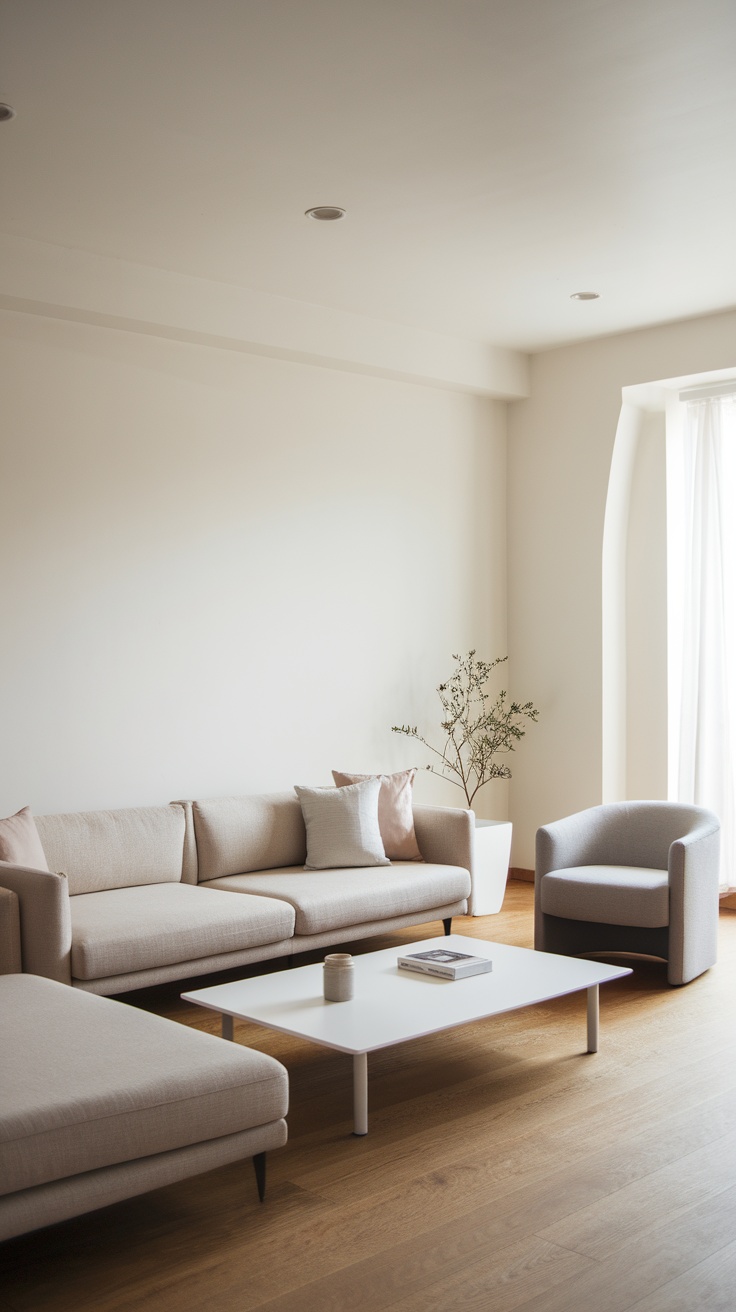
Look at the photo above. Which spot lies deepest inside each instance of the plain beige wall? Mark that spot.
(222, 573)
(560, 447)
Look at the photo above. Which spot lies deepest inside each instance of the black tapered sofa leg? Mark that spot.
(259, 1166)
(448, 925)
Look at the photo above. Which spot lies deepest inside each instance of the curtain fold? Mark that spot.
(704, 590)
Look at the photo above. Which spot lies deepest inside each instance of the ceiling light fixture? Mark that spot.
(6, 113)
(325, 213)
(585, 296)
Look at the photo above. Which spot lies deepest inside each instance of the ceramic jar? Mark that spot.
(338, 975)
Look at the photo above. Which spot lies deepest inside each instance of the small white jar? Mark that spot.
(338, 973)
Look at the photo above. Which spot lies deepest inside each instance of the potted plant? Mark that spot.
(478, 731)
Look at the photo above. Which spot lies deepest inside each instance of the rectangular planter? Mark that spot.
(490, 865)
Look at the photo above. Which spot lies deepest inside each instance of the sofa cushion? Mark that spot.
(395, 812)
(608, 895)
(342, 826)
(20, 842)
(237, 834)
(129, 929)
(115, 849)
(91, 1082)
(335, 899)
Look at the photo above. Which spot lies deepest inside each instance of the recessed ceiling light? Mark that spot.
(585, 296)
(326, 213)
(6, 113)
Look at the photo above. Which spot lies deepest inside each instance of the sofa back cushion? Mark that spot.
(238, 834)
(115, 849)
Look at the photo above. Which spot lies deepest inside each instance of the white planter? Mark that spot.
(490, 866)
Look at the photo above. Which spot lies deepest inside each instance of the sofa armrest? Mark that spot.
(445, 835)
(45, 920)
(693, 872)
(10, 959)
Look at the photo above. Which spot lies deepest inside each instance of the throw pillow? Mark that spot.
(19, 841)
(395, 814)
(342, 826)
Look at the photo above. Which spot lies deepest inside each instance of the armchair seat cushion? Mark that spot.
(91, 1082)
(129, 929)
(325, 900)
(611, 895)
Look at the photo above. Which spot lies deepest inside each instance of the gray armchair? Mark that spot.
(632, 877)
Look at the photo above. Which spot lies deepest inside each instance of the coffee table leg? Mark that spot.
(593, 1018)
(227, 1027)
(360, 1093)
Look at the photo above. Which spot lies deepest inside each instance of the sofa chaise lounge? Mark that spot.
(161, 893)
(100, 1101)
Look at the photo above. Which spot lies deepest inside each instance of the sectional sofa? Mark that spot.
(101, 1101)
(137, 897)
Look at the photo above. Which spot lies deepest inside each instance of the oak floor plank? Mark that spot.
(709, 1287)
(501, 1282)
(648, 1263)
(436, 1278)
(648, 1203)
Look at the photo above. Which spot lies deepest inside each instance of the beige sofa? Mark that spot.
(159, 893)
(100, 1101)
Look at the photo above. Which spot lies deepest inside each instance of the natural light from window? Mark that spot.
(701, 569)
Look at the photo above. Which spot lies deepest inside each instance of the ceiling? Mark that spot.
(493, 156)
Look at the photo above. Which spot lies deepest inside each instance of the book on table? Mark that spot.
(445, 963)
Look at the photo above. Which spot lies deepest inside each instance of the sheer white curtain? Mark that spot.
(701, 496)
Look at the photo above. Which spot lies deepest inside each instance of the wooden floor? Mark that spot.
(505, 1168)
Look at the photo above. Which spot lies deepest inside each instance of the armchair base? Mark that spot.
(571, 938)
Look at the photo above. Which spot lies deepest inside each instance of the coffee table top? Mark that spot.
(392, 1005)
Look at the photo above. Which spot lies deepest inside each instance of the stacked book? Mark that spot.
(445, 964)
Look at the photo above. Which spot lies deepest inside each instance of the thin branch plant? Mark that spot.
(477, 729)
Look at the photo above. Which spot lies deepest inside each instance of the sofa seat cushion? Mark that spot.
(87, 1082)
(609, 895)
(334, 899)
(129, 929)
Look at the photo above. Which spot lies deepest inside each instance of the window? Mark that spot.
(701, 555)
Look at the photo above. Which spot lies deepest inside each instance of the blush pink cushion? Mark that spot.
(395, 815)
(20, 843)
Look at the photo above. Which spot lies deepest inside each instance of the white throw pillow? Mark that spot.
(342, 826)
(395, 812)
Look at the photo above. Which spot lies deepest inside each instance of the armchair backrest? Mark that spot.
(618, 834)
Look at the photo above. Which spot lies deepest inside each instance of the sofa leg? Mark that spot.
(259, 1166)
(448, 925)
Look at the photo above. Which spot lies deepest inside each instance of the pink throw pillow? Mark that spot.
(395, 815)
(20, 843)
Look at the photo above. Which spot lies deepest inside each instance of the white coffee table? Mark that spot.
(392, 1005)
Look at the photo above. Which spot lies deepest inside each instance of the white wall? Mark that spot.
(223, 573)
(560, 446)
